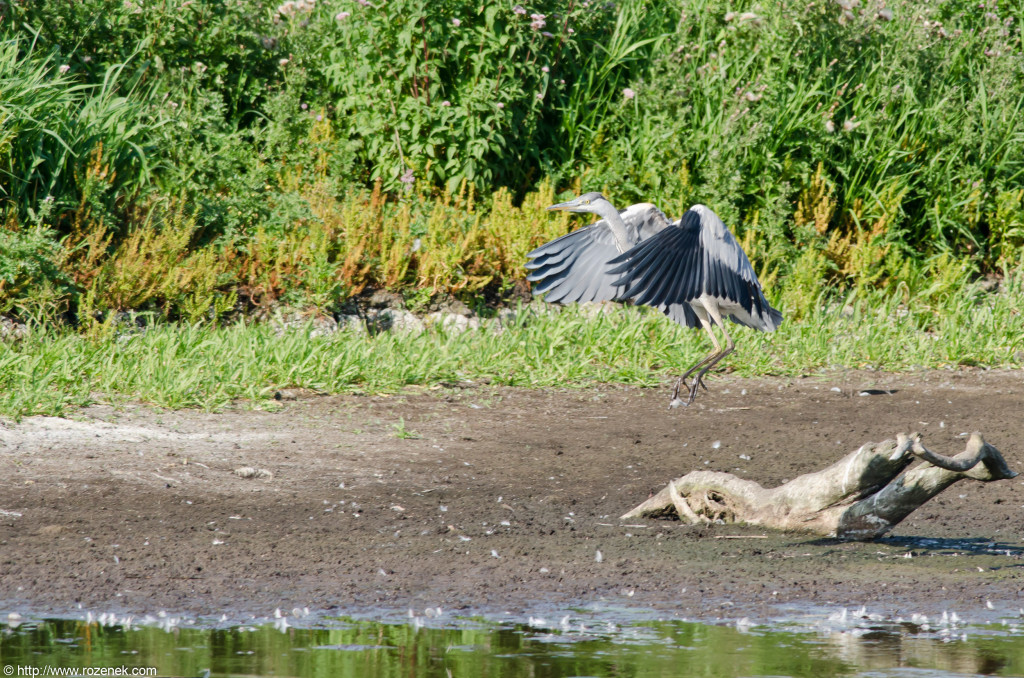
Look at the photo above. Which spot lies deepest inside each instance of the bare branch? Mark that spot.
(683, 508)
(978, 451)
(861, 496)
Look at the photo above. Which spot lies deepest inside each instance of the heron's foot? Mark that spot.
(700, 380)
(693, 390)
(681, 381)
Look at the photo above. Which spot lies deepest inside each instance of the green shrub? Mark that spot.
(914, 122)
(31, 281)
(849, 148)
(497, 96)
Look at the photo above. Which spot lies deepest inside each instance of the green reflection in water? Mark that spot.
(371, 649)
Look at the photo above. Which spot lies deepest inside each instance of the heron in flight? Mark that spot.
(693, 270)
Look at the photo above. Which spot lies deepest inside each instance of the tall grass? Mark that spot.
(67, 143)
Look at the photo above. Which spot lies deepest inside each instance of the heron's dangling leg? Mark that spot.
(730, 346)
(711, 358)
(681, 381)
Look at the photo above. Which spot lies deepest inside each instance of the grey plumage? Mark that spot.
(575, 266)
(693, 270)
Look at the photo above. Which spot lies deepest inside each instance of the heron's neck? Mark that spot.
(625, 237)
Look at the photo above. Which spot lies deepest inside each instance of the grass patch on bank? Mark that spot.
(199, 366)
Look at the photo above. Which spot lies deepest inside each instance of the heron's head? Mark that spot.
(588, 202)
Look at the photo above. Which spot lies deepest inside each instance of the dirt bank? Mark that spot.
(489, 500)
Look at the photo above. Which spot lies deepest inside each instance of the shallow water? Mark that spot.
(430, 645)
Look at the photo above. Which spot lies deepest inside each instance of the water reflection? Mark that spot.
(344, 647)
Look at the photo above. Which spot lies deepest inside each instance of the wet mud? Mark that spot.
(484, 500)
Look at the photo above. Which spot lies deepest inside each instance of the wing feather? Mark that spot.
(591, 272)
(549, 268)
(730, 277)
(574, 267)
(650, 271)
(638, 257)
(682, 314)
(559, 244)
(649, 261)
(661, 293)
(571, 268)
(646, 218)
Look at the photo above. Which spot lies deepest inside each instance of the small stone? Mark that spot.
(255, 473)
(396, 320)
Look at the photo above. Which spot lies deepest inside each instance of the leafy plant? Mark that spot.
(323, 148)
(30, 277)
(403, 432)
(451, 93)
(63, 143)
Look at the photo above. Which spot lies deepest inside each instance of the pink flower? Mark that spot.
(456, 22)
(538, 21)
(407, 178)
(545, 69)
(519, 9)
(628, 94)
(446, 103)
(500, 105)
(341, 16)
(64, 68)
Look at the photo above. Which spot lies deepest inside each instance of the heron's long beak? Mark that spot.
(563, 206)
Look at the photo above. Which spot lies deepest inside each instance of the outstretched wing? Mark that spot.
(697, 256)
(574, 267)
(665, 270)
(729, 277)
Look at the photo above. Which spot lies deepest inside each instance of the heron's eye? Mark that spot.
(586, 202)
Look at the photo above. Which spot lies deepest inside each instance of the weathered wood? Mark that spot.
(861, 496)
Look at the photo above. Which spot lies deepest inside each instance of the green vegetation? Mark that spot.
(197, 161)
(206, 367)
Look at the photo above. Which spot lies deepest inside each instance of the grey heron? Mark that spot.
(693, 270)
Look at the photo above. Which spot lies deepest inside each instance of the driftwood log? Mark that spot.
(861, 497)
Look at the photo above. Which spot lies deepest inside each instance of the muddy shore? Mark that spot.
(484, 500)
